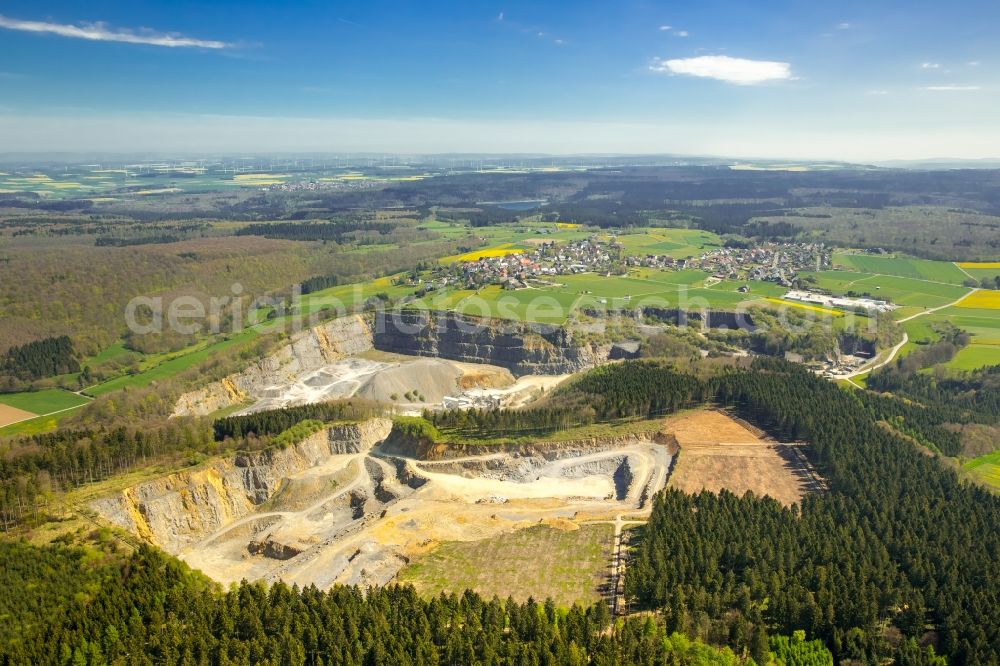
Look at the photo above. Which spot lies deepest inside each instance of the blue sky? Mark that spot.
(802, 79)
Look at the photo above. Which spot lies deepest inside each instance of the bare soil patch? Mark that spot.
(708, 426)
(717, 452)
(10, 415)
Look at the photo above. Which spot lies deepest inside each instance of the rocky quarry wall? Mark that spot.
(181, 509)
(524, 349)
(307, 351)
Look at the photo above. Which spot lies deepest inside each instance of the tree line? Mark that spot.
(276, 421)
(148, 608)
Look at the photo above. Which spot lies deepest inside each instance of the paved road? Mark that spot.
(875, 364)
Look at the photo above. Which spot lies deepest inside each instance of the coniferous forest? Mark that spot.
(897, 551)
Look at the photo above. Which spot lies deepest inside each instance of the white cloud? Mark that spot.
(973, 63)
(952, 88)
(101, 32)
(878, 92)
(740, 71)
(930, 65)
(673, 31)
(844, 26)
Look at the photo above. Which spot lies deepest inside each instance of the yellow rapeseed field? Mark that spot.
(805, 306)
(476, 255)
(984, 299)
(979, 264)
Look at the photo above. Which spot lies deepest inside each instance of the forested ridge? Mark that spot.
(898, 543)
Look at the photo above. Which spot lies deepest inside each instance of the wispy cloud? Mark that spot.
(844, 26)
(674, 31)
(739, 71)
(500, 16)
(952, 88)
(930, 65)
(101, 32)
(973, 63)
(878, 92)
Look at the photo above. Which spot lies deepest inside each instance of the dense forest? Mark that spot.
(92, 608)
(898, 556)
(336, 230)
(975, 393)
(898, 552)
(41, 358)
(33, 468)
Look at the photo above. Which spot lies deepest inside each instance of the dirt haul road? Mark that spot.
(389, 509)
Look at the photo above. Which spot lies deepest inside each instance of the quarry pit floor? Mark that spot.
(362, 518)
(370, 520)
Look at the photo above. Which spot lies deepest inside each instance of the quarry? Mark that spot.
(359, 503)
(349, 505)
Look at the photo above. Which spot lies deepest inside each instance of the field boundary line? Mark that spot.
(42, 416)
(955, 263)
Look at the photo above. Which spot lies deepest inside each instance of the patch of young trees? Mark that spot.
(41, 358)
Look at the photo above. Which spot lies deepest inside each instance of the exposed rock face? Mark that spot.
(521, 348)
(709, 318)
(180, 509)
(307, 351)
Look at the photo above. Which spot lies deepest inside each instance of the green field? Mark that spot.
(171, 367)
(902, 266)
(904, 291)
(63, 403)
(983, 325)
(43, 402)
(975, 356)
(986, 270)
(985, 469)
(544, 562)
(676, 243)
(573, 293)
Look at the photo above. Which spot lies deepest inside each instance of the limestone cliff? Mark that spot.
(181, 509)
(521, 348)
(307, 351)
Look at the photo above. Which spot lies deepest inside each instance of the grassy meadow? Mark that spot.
(567, 565)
